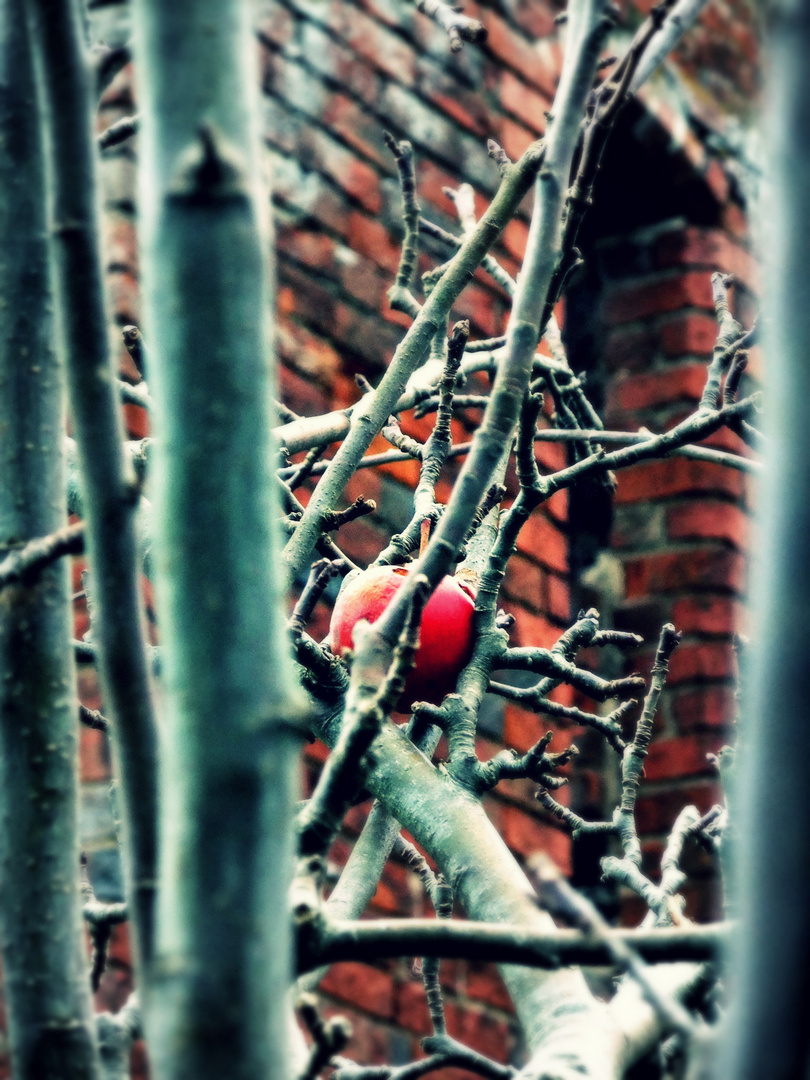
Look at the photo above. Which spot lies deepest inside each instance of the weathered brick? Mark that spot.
(551, 456)
(300, 394)
(530, 629)
(707, 614)
(521, 728)
(689, 333)
(515, 52)
(466, 109)
(478, 1029)
(648, 298)
(513, 137)
(370, 1043)
(479, 306)
(708, 707)
(524, 102)
(646, 391)
(94, 755)
(657, 813)
(514, 238)
(483, 983)
(120, 241)
(124, 296)
(709, 568)
(410, 1007)
(670, 759)
(542, 540)
(362, 541)
(630, 348)
(708, 660)
(677, 476)
(376, 44)
(365, 987)
(526, 835)
(711, 249)
(709, 520)
(637, 526)
(524, 583)
(558, 598)
(369, 237)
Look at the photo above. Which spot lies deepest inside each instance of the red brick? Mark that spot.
(558, 598)
(136, 421)
(557, 507)
(526, 835)
(717, 180)
(676, 476)
(124, 296)
(514, 238)
(524, 583)
(479, 1030)
(660, 388)
(311, 355)
(689, 333)
(657, 813)
(542, 540)
(365, 987)
(709, 660)
(638, 526)
(316, 752)
(120, 241)
(524, 102)
(648, 298)
(302, 395)
(530, 629)
(715, 568)
(710, 249)
(309, 246)
(374, 43)
(514, 138)
(536, 19)
(369, 1043)
(709, 520)
(516, 53)
(630, 348)
(708, 707)
(551, 456)
(735, 221)
(483, 983)
(479, 306)
(521, 728)
(362, 183)
(467, 109)
(718, 615)
(410, 1007)
(671, 759)
(94, 755)
(369, 237)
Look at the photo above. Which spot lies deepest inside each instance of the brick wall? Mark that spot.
(335, 74)
(680, 527)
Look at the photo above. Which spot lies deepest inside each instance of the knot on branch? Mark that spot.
(210, 170)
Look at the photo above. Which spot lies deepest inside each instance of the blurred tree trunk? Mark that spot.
(46, 977)
(222, 969)
(769, 1033)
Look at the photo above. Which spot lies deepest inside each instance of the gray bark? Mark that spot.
(64, 93)
(45, 972)
(217, 1002)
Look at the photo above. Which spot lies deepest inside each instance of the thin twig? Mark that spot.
(29, 560)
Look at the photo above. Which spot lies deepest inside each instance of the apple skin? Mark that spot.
(445, 633)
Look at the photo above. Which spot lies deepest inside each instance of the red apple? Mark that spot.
(445, 633)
